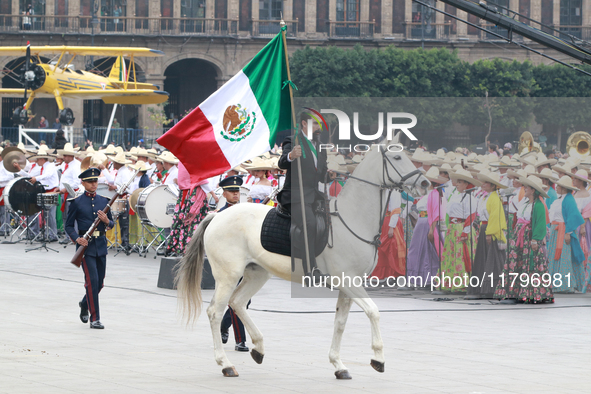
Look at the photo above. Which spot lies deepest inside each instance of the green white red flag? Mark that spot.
(237, 122)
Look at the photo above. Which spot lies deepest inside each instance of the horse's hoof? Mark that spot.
(343, 374)
(230, 372)
(377, 365)
(256, 356)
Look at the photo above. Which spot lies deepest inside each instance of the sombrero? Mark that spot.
(42, 154)
(259, 164)
(535, 182)
(168, 158)
(433, 176)
(567, 183)
(140, 166)
(120, 158)
(505, 162)
(548, 174)
(68, 150)
(581, 175)
(465, 176)
(491, 177)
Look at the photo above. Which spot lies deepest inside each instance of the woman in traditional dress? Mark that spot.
(262, 187)
(548, 179)
(392, 250)
(460, 240)
(190, 209)
(583, 200)
(564, 248)
(427, 242)
(492, 244)
(525, 276)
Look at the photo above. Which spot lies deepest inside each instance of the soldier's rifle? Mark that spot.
(77, 259)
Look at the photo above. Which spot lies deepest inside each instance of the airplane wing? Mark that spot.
(113, 96)
(13, 92)
(81, 51)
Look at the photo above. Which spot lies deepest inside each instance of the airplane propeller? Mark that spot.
(33, 77)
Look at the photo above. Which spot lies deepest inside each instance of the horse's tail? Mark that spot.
(189, 272)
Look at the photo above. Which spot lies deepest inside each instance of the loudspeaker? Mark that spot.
(166, 275)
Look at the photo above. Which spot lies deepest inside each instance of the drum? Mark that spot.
(119, 206)
(103, 190)
(222, 200)
(45, 200)
(152, 205)
(21, 195)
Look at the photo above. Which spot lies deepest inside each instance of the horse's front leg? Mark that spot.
(340, 320)
(361, 298)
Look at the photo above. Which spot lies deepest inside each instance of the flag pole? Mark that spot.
(298, 161)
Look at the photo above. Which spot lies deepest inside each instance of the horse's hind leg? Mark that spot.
(340, 319)
(224, 287)
(361, 298)
(254, 279)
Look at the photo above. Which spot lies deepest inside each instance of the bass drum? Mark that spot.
(219, 192)
(152, 205)
(21, 195)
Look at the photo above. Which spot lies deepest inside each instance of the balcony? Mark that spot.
(270, 28)
(354, 29)
(430, 31)
(118, 25)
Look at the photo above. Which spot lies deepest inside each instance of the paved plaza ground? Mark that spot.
(452, 346)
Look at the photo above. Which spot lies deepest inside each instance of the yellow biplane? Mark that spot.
(57, 79)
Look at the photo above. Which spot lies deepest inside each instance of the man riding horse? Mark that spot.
(314, 168)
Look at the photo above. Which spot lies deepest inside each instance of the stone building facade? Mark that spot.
(207, 41)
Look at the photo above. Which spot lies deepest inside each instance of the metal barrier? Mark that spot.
(118, 25)
(25, 138)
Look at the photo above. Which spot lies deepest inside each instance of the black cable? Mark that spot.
(505, 39)
(547, 306)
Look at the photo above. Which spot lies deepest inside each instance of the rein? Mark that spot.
(398, 185)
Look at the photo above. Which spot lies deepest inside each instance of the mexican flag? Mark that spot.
(237, 122)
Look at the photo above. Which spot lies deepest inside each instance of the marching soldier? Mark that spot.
(83, 211)
(231, 186)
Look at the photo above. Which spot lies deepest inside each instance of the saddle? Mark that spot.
(279, 235)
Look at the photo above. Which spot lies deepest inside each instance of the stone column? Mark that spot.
(407, 17)
(514, 5)
(462, 27)
(287, 9)
(556, 14)
(387, 18)
(364, 11)
(586, 10)
(332, 10)
(49, 11)
(440, 20)
(310, 12)
(233, 9)
(209, 9)
(536, 11)
(73, 8)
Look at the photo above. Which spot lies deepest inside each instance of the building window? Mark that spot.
(30, 10)
(61, 8)
(348, 10)
(571, 17)
(270, 9)
(113, 12)
(193, 8)
(503, 5)
(423, 20)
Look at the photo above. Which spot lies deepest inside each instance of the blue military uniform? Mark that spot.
(83, 212)
(233, 183)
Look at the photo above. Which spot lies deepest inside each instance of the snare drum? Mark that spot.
(153, 204)
(119, 206)
(47, 199)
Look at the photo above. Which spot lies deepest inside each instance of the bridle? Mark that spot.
(391, 186)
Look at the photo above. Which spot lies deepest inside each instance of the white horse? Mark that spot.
(231, 240)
